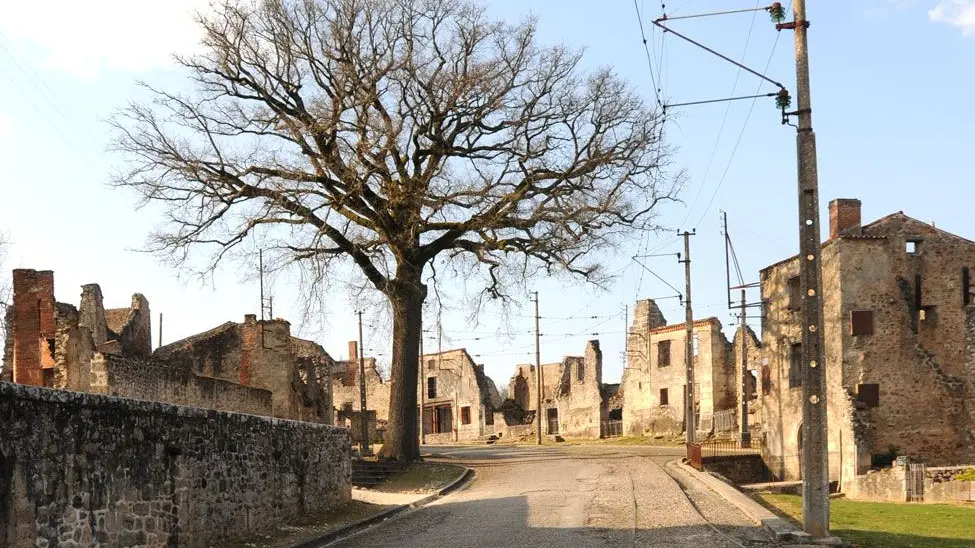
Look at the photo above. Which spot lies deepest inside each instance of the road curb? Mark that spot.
(362, 525)
(782, 530)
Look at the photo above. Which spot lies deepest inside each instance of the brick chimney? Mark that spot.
(844, 214)
(353, 351)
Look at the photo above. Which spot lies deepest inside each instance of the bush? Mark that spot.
(967, 475)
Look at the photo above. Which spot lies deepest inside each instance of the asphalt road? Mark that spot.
(569, 497)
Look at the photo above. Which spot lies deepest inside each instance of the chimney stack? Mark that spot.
(353, 351)
(844, 214)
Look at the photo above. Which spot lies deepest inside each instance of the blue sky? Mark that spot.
(891, 83)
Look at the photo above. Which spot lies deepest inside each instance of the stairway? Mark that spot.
(368, 473)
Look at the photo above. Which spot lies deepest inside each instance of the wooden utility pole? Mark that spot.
(689, 407)
(746, 436)
(260, 275)
(815, 455)
(538, 374)
(160, 330)
(362, 394)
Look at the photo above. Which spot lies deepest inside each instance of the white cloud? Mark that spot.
(957, 13)
(85, 38)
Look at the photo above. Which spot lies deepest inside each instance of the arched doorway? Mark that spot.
(799, 450)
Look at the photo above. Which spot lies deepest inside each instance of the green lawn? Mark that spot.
(890, 525)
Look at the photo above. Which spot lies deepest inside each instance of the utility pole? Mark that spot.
(160, 329)
(362, 394)
(689, 407)
(260, 274)
(538, 374)
(746, 435)
(421, 377)
(815, 455)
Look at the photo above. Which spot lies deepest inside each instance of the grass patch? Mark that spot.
(309, 526)
(889, 524)
(421, 478)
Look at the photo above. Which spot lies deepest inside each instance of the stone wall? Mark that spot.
(80, 469)
(579, 400)
(888, 485)
(460, 385)
(638, 400)
(161, 381)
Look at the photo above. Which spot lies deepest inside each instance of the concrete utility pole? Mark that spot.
(689, 422)
(160, 330)
(362, 394)
(815, 457)
(538, 374)
(746, 435)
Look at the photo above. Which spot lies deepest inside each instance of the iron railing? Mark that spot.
(724, 448)
(612, 429)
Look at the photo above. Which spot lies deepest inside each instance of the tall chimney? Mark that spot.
(353, 351)
(844, 214)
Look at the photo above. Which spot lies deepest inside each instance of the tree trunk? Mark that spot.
(406, 294)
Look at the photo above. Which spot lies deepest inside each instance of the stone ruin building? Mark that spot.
(899, 330)
(654, 382)
(458, 400)
(575, 403)
(253, 367)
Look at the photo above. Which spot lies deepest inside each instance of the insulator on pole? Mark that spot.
(782, 99)
(777, 12)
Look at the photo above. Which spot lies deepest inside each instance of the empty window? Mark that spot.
(869, 394)
(663, 353)
(664, 397)
(861, 322)
(488, 415)
(580, 371)
(431, 364)
(766, 379)
(911, 247)
(795, 293)
(432, 387)
(695, 345)
(465, 414)
(795, 365)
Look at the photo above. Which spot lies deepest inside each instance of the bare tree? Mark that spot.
(374, 138)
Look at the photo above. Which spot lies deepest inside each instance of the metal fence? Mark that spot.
(612, 429)
(723, 448)
(725, 421)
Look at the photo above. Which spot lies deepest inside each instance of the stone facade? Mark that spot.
(458, 398)
(180, 476)
(654, 382)
(345, 388)
(574, 401)
(898, 331)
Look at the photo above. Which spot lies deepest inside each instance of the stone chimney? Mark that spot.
(844, 214)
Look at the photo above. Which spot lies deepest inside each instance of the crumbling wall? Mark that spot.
(345, 384)
(164, 382)
(638, 398)
(179, 477)
(33, 326)
(579, 400)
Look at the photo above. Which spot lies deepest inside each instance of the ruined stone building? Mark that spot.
(345, 394)
(458, 399)
(574, 400)
(654, 381)
(254, 367)
(899, 330)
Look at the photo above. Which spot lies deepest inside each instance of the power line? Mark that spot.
(646, 48)
(740, 135)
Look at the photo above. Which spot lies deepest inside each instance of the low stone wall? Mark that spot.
(82, 469)
(165, 382)
(740, 469)
(888, 485)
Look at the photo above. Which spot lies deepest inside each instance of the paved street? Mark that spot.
(575, 496)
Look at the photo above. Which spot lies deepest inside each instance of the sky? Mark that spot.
(891, 84)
